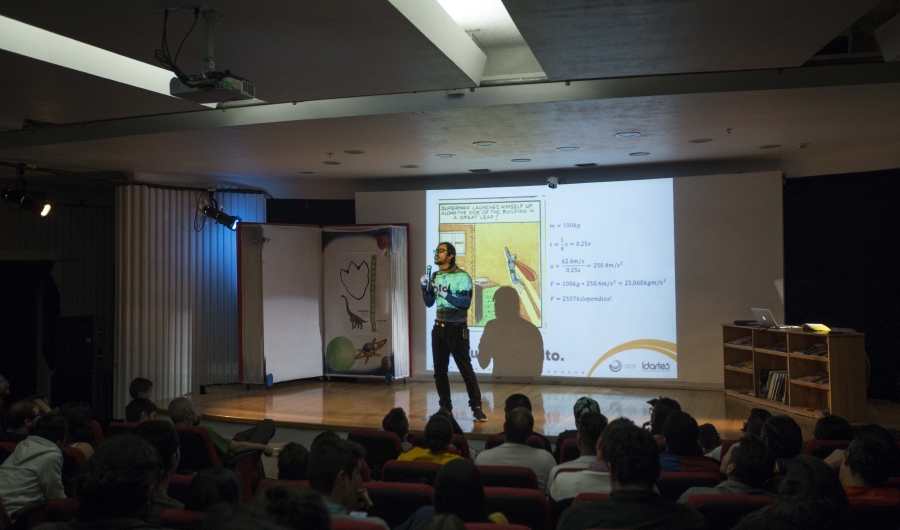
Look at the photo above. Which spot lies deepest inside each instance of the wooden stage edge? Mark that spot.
(344, 405)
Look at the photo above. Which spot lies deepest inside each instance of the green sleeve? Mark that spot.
(222, 444)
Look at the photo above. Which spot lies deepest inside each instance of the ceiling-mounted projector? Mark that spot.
(216, 88)
(209, 86)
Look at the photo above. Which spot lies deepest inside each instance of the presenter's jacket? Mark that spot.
(454, 288)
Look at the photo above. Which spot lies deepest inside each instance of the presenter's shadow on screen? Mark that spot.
(512, 342)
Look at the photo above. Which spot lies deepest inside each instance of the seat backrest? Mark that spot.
(823, 448)
(180, 519)
(97, 432)
(410, 472)
(61, 510)
(395, 502)
(492, 526)
(380, 446)
(672, 484)
(569, 451)
(522, 506)
(494, 440)
(874, 514)
(460, 442)
(73, 465)
(353, 524)
(726, 445)
(116, 428)
(266, 482)
(508, 476)
(197, 449)
(535, 441)
(725, 511)
(587, 497)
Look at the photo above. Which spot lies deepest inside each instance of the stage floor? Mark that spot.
(345, 405)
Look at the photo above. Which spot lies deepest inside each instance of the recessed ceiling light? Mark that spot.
(639, 153)
(589, 164)
(331, 163)
(700, 140)
(354, 151)
(306, 172)
(770, 146)
(409, 166)
(480, 170)
(629, 134)
(520, 160)
(484, 143)
(445, 155)
(567, 149)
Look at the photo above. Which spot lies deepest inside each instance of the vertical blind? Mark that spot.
(176, 290)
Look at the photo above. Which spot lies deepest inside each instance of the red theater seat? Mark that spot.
(381, 446)
(725, 511)
(97, 432)
(352, 524)
(569, 451)
(726, 445)
(198, 452)
(508, 476)
(395, 502)
(181, 488)
(588, 497)
(521, 506)
(180, 519)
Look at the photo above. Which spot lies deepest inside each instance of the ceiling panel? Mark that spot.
(576, 39)
(859, 117)
(50, 93)
(291, 51)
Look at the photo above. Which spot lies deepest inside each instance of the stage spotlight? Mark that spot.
(231, 221)
(28, 201)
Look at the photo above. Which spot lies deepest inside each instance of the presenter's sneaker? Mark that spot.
(479, 415)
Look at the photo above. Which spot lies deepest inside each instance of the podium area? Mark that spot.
(342, 405)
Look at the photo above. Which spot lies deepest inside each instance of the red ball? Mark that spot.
(383, 242)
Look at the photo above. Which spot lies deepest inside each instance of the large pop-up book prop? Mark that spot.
(323, 301)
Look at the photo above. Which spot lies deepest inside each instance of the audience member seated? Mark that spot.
(334, 473)
(438, 434)
(182, 412)
(396, 422)
(878, 432)
(115, 489)
(810, 497)
(518, 427)
(292, 462)
(162, 436)
(755, 421)
(865, 470)
(521, 400)
(140, 410)
(632, 455)
(459, 491)
(710, 441)
(141, 388)
(682, 452)
(832, 428)
(322, 436)
(659, 413)
(583, 405)
(293, 508)
(33, 473)
(21, 417)
(81, 436)
(590, 429)
(748, 466)
(212, 486)
(784, 438)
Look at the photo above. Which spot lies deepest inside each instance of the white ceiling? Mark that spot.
(309, 50)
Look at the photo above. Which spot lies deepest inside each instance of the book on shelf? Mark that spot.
(823, 381)
(743, 341)
(813, 378)
(763, 379)
(776, 383)
(778, 346)
(816, 350)
(746, 364)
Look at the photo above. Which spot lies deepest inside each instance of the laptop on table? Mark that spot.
(765, 318)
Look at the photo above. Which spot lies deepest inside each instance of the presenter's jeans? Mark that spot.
(446, 341)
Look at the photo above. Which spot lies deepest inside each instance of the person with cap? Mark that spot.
(583, 405)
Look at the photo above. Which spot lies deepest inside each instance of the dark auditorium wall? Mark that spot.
(311, 212)
(840, 233)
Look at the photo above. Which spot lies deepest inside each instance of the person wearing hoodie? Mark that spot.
(33, 473)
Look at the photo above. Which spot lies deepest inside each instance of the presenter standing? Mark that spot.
(451, 288)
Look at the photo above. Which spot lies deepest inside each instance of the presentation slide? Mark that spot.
(577, 281)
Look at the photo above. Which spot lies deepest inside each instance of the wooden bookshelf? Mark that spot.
(844, 396)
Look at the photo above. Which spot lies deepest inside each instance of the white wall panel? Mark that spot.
(176, 290)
